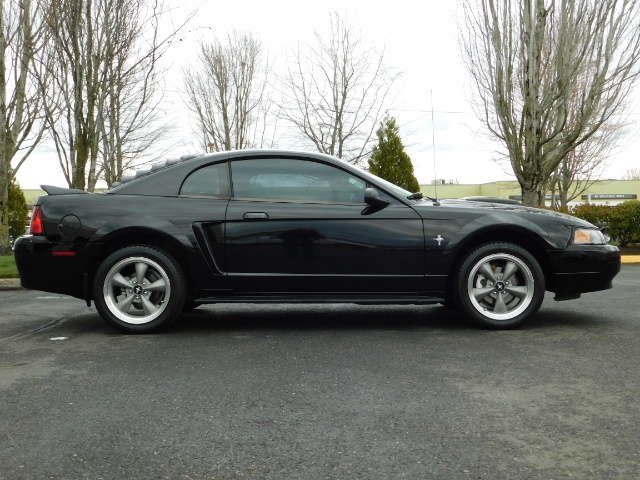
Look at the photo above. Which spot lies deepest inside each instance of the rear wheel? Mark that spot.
(500, 285)
(139, 289)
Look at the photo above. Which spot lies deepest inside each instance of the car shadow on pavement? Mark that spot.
(350, 316)
(355, 317)
(555, 317)
(319, 317)
(340, 317)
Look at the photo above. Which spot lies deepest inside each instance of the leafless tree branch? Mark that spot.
(22, 39)
(104, 104)
(229, 94)
(548, 75)
(335, 92)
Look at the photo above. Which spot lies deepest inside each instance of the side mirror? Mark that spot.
(373, 199)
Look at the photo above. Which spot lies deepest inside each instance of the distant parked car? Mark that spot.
(279, 226)
(507, 201)
(12, 240)
(603, 228)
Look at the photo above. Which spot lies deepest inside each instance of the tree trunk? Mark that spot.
(531, 197)
(4, 215)
(4, 161)
(548, 76)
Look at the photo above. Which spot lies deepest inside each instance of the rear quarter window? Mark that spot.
(209, 181)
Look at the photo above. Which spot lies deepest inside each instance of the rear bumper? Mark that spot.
(54, 267)
(584, 268)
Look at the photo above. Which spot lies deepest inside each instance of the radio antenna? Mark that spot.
(433, 143)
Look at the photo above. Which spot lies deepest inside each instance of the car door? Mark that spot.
(297, 225)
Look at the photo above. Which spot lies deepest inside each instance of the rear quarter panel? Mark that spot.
(111, 221)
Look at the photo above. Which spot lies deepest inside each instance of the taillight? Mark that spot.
(36, 222)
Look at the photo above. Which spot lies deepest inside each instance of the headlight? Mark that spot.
(587, 236)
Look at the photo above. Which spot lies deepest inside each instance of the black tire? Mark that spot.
(500, 286)
(139, 289)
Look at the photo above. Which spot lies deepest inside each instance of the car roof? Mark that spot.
(160, 178)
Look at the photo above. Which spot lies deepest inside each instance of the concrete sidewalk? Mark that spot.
(9, 283)
(14, 283)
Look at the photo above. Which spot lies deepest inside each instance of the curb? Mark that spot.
(14, 283)
(10, 284)
(630, 258)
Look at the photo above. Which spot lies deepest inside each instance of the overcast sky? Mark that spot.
(420, 40)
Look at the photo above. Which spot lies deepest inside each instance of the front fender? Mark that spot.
(446, 241)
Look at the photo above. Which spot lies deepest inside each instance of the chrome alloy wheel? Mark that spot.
(136, 290)
(500, 286)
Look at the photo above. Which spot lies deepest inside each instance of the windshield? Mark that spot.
(396, 190)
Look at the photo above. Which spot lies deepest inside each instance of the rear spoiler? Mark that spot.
(51, 190)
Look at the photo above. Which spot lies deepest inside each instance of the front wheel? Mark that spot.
(139, 289)
(500, 285)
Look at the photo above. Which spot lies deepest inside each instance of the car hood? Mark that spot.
(503, 208)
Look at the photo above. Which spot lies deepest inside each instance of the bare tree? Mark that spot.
(577, 171)
(229, 93)
(76, 77)
(106, 109)
(336, 90)
(134, 115)
(584, 165)
(21, 126)
(632, 174)
(533, 62)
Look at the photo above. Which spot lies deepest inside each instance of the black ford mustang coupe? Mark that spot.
(277, 226)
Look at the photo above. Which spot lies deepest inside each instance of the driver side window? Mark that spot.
(295, 180)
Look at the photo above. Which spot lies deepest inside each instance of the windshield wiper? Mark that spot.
(419, 196)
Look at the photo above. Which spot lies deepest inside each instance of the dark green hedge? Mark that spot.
(623, 220)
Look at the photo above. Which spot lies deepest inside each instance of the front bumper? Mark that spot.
(582, 269)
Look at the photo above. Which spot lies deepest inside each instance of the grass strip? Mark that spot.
(8, 267)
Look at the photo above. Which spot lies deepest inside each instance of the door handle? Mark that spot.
(255, 216)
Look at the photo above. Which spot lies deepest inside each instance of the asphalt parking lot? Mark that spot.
(315, 392)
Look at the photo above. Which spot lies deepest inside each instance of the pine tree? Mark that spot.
(389, 160)
(18, 210)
